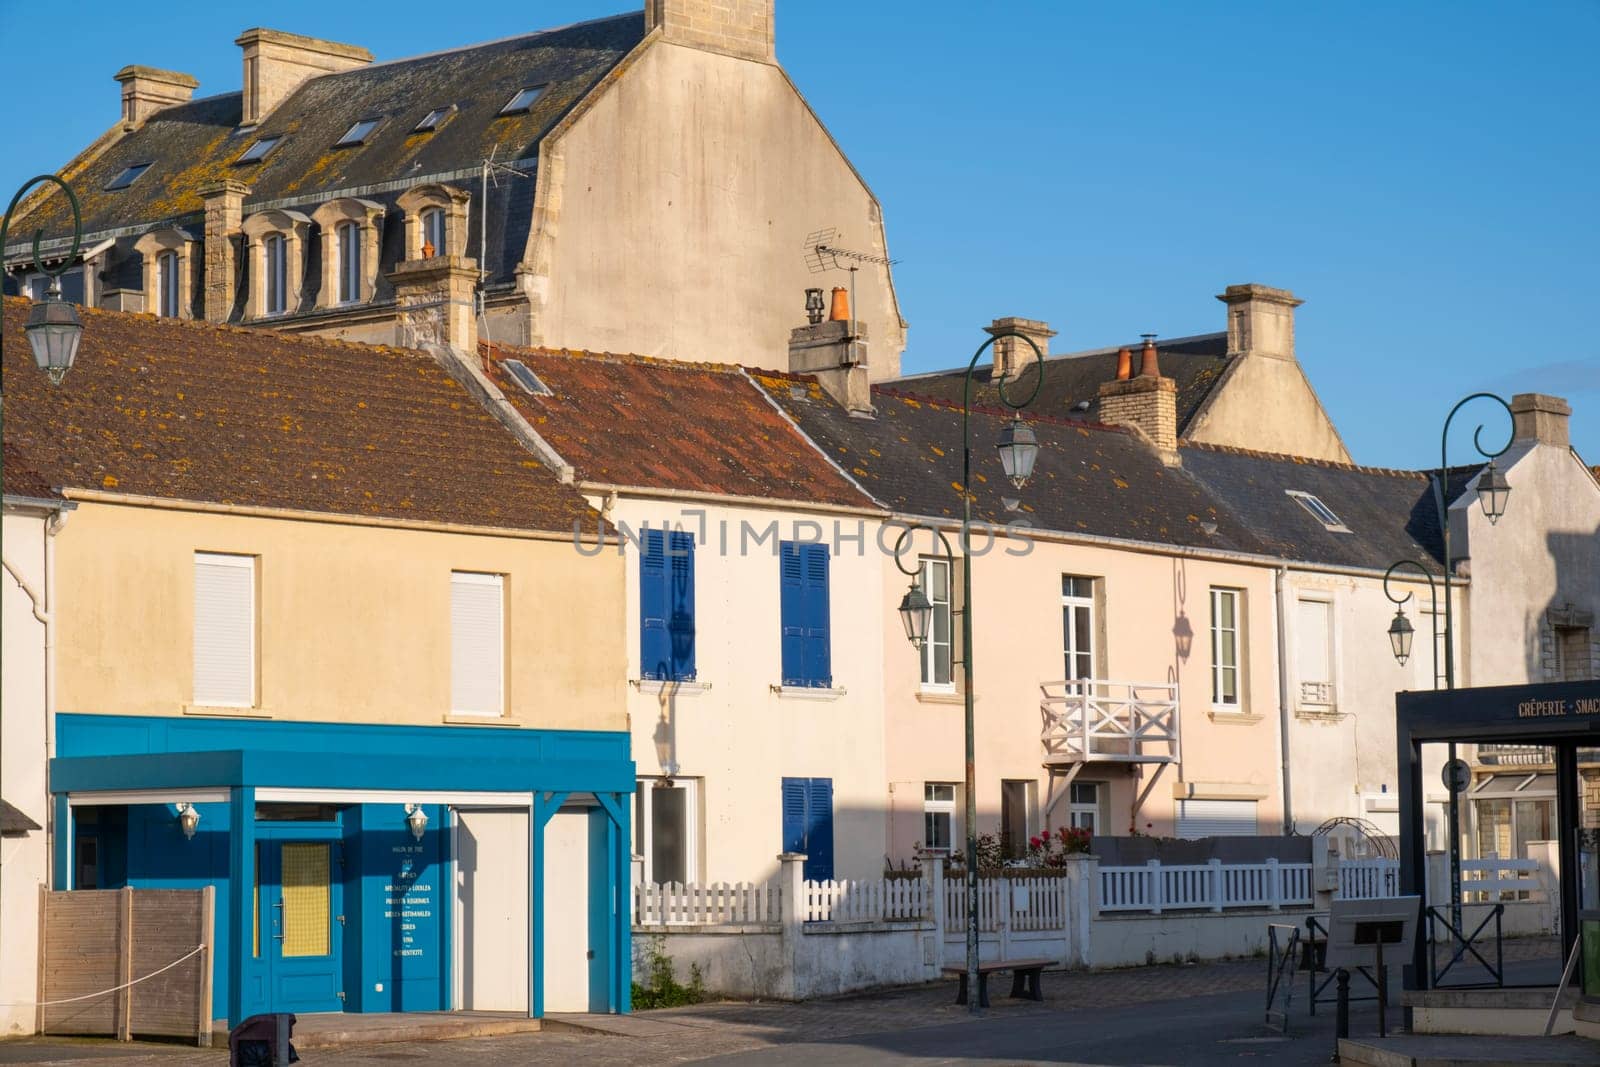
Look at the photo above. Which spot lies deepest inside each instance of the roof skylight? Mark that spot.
(526, 378)
(434, 119)
(129, 175)
(1319, 511)
(258, 151)
(358, 133)
(523, 100)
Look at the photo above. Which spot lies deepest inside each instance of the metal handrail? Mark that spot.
(1313, 953)
(1467, 943)
(1279, 962)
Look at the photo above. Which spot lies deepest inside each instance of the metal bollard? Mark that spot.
(280, 1047)
(1342, 1026)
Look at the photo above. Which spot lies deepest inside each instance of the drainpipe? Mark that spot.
(1283, 704)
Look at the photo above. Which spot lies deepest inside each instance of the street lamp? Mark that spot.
(53, 327)
(1493, 493)
(1019, 447)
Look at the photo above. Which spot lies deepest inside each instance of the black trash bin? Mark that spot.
(254, 1042)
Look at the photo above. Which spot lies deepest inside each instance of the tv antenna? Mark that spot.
(823, 253)
(491, 168)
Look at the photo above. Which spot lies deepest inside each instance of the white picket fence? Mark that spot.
(1156, 887)
(1036, 903)
(864, 900)
(1364, 879)
(674, 904)
(1493, 880)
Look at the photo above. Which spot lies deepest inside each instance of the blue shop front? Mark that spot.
(366, 868)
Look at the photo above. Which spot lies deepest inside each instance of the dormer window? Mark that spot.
(275, 261)
(351, 229)
(1319, 511)
(349, 234)
(434, 119)
(523, 100)
(358, 133)
(169, 257)
(436, 219)
(432, 232)
(127, 177)
(275, 247)
(258, 150)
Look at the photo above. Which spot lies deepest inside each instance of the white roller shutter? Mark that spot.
(1216, 818)
(477, 643)
(224, 630)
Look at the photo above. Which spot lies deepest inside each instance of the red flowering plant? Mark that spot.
(1051, 849)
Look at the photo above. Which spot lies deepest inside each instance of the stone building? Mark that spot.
(643, 183)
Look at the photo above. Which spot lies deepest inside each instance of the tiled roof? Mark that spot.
(195, 143)
(1389, 514)
(189, 411)
(1196, 364)
(1090, 479)
(658, 423)
(22, 480)
(13, 821)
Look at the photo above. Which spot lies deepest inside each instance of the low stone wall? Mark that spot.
(740, 961)
(1132, 940)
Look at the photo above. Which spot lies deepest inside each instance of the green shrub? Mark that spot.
(664, 990)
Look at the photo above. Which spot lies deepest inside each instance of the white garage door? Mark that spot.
(493, 905)
(566, 911)
(1216, 818)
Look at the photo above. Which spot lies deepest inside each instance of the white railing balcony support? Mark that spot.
(1088, 719)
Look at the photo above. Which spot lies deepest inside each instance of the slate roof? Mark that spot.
(1196, 364)
(196, 143)
(1089, 479)
(1390, 514)
(220, 414)
(13, 821)
(659, 423)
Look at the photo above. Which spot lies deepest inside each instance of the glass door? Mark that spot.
(300, 924)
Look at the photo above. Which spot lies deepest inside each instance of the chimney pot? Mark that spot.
(1124, 364)
(813, 306)
(1148, 368)
(840, 311)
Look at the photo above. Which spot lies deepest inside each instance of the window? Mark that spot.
(666, 606)
(71, 286)
(127, 176)
(1314, 652)
(938, 649)
(477, 643)
(433, 231)
(938, 815)
(803, 570)
(665, 820)
(349, 235)
(530, 382)
(808, 824)
(1015, 805)
(1216, 818)
(434, 119)
(1319, 511)
(357, 133)
(523, 100)
(275, 261)
(224, 630)
(1083, 807)
(1077, 627)
(1225, 647)
(169, 289)
(258, 151)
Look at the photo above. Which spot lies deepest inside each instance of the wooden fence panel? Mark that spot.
(82, 949)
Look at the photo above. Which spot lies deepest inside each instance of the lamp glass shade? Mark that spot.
(188, 819)
(53, 330)
(1019, 447)
(916, 613)
(417, 820)
(1493, 492)
(1400, 636)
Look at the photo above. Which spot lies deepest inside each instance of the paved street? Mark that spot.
(1199, 1014)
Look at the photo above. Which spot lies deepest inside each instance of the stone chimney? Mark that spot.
(437, 301)
(1011, 354)
(740, 28)
(224, 204)
(1540, 418)
(1260, 321)
(1147, 402)
(276, 64)
(835, 352)
(146, 90)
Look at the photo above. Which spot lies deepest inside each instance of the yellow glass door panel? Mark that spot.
(307, 898)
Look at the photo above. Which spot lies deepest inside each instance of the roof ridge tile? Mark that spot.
(1306, 461)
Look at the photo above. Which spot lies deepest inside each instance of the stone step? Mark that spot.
(1453, 1050)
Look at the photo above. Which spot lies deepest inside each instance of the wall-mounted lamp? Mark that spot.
(188, 819)
(417, 819)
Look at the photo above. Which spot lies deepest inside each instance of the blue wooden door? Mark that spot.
(808, 824)
(301, 923)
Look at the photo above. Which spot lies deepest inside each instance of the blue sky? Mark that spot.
(1424, 175)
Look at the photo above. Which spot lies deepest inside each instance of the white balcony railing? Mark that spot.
(1126, 722)
(1515, 755)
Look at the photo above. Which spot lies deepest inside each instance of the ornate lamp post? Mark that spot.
(1493, 493)
(1019, 448)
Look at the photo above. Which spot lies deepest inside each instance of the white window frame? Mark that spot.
(1071, 639)
(1078, 810)
(275, 267)
(434, 224)
(1329, 699)
(348, 239)
(1218, 594)
(498, 581)
(939, 807)
(169, 287)
(243, 562)
(644, 816)
(929, 646)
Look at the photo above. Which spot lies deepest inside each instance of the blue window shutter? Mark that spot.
(819, 665)
(792, 609)
(655, 646)
(681, 623)
(819, 829)
(794, 814)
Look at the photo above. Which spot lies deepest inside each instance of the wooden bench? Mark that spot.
(1024, 978)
